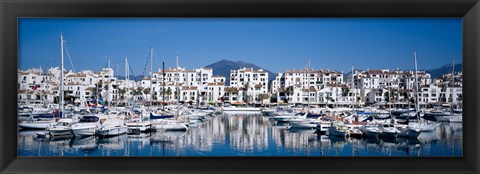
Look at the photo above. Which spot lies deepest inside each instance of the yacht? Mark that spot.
(61, 128)
(338, 128)
(112, 127)
(388, 130)
(410, 132)
(169, 125)
(370, 130)
(87, 126)
(34, 123)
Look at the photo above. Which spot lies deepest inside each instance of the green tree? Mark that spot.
(122, 93)
(345, 91)
(387, 96)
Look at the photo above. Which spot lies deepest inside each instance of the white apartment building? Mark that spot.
(253, 82)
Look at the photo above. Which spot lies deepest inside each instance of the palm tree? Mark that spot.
(168, 92)
(345, 91)
(245, 96)
(263, 97)
(122, 93)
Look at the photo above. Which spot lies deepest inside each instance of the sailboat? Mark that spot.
(37, 123)
(451, 115)
(302, 121)
(414, 129)
(173, 124)
(138, 125)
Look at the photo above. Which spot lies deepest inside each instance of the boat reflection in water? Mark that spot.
(245, 135)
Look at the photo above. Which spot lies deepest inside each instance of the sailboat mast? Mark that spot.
(151, 75)
(177, 89)
(356, 99)
(108, 84)
(60, 94)
(163, 89)
(308, 86)
(417, 107)
(453, 78)
(353, 95)
(126, 79)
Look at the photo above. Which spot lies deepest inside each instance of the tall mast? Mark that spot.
(163, 89)
(353, 94)
(60, 94)
(308, 86)
(126, 79)
(417, 107)
(177, 89)
(108, 84)
(356, 99)
(151, 75)
(453, 79)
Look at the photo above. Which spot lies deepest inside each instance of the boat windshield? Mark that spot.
(63, 124)
(88, 119)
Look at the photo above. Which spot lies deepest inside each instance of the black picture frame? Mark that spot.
(10, 10)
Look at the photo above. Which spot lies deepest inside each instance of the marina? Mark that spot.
(327, 107)
(244, 135)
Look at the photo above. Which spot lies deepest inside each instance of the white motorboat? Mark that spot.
(338, 128)
(33, 124)
(424, 127)
(309, 124)
(388, 130)
(169, 125)
(456, 119)
(87, 126)
(355, 132)
(112, 127)
(370, 130)
(138, 126)
(282, 117)
(291, 118)
(410, 132)
(61, 128)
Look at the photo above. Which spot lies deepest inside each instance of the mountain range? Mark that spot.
(435, 73)
(223, 67)
(445, 69)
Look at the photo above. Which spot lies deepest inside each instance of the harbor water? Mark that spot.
(244, 135)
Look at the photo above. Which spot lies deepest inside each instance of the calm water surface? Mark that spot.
(244, 135)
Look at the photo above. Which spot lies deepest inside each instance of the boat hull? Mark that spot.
(371, 133)
(303, 126)
(113, 131)
(34, 125)
(84, 132)
(389, 134)
(140, 126)
(170, 126)
(60, 132)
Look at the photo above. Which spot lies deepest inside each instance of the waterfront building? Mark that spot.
(253, 85)
(301, 86)
(200, 86)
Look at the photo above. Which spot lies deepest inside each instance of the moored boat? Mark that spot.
(338, 128)
(112, 127)
(87, 126)
(370, 130)
(61, 128)
(388, 130)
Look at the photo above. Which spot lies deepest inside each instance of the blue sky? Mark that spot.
(276, 44)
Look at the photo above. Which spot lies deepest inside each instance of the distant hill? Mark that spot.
(223, 67)
(436, 73)
(445, 69)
